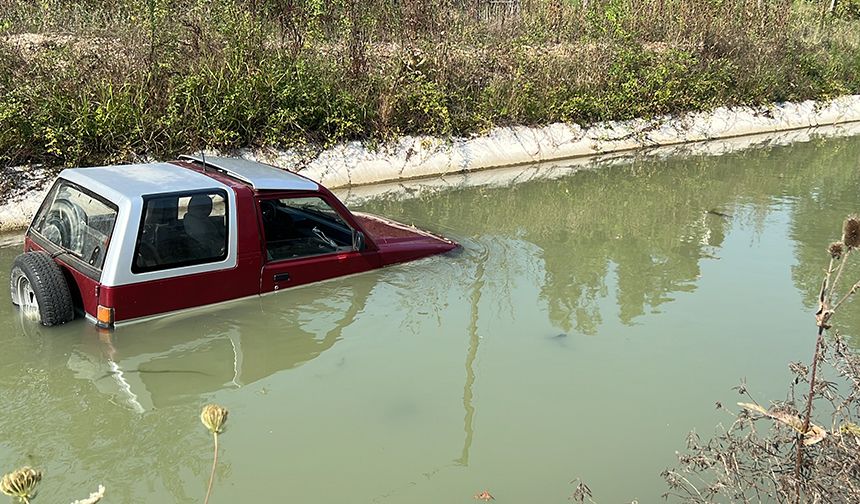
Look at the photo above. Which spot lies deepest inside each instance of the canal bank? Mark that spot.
(356, 164)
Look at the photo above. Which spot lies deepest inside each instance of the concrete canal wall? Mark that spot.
(354, 164)
(417, 157)
(548, 170)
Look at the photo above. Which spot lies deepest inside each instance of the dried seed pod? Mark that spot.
(851, 232)
(836, 250)
(21, 483)
(214, 417)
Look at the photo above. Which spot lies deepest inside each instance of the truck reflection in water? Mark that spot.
(179, 358)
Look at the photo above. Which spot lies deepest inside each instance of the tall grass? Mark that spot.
(108, 81)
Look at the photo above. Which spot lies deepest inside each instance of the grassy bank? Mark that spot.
(107, 81)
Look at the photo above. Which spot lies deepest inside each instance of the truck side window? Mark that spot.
(77, 221)
(181, 230)
(301, 227)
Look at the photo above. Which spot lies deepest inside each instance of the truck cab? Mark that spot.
(125, 243)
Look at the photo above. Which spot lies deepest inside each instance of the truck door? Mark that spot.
(306, 240)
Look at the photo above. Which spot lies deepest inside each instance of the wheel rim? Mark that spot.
(27, 296)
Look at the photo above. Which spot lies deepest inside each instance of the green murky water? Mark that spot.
(590, 321)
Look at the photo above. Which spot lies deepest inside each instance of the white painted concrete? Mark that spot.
(416, 157)
(548, 170)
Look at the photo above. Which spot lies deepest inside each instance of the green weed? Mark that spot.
(75, 89)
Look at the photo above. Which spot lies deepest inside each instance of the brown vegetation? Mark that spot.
(792, 459)
(92, 82)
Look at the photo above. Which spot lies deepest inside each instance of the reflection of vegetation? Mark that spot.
(471, 355)
(650, 222)
(832, 196)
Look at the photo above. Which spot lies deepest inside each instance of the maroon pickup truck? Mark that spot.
(124, 243)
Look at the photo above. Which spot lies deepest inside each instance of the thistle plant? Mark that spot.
(806, 462)
(21, 484)
(839, 254)
(213, 417)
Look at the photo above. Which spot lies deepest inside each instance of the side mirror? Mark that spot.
(357, 240)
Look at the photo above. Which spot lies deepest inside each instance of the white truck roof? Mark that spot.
(126, 182)
(122, 182)
(261, 176)
(125, 186)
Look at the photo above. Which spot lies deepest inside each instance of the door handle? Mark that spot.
(282, 277)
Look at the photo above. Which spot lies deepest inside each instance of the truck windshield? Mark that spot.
(78, 221)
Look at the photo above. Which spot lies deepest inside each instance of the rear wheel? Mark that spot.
(39, 288)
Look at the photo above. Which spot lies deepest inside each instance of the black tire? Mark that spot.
(43, 280)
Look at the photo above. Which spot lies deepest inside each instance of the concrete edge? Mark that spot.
(550, 170)
(355, 164)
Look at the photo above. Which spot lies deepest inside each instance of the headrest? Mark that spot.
(200, 205)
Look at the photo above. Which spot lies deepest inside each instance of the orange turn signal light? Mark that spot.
(104, 317)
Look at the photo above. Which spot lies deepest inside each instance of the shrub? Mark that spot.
(243, 73)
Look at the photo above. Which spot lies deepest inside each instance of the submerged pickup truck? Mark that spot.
(125, 243)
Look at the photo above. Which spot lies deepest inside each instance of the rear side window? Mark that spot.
(181, 230)
(78, 221)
